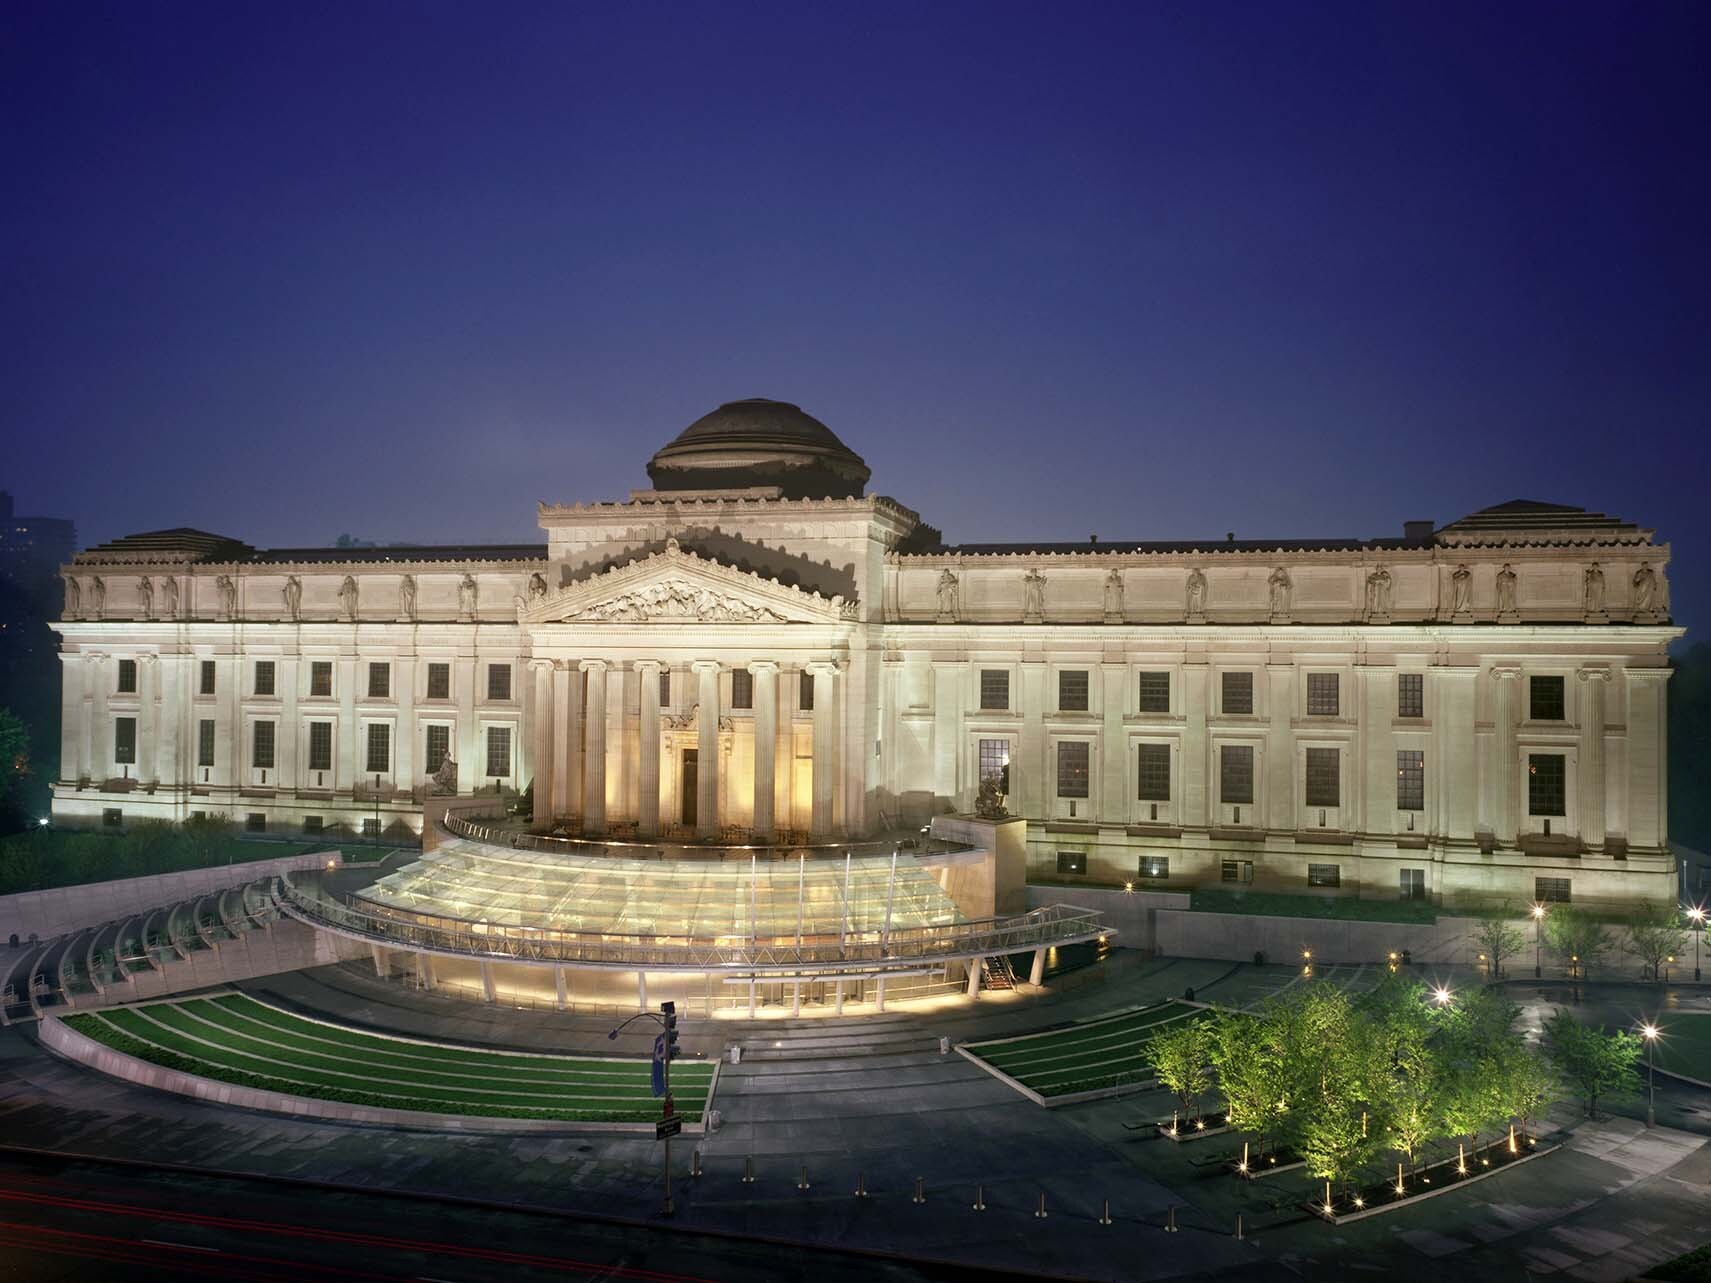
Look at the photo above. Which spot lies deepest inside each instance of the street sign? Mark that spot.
(668, 1127)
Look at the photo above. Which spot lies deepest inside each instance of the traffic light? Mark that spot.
(669, 1011)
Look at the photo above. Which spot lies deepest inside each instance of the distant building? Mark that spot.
(33, 547)
(756, 649)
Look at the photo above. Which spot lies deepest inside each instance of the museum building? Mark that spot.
(755, 653)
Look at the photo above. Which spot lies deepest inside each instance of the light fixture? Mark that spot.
(1538, 910)
(43, 823)
(1441, 996)
(1649, 1032)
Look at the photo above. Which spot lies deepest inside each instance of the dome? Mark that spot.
(760, 443)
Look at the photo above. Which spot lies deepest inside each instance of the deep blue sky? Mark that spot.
(287, 270)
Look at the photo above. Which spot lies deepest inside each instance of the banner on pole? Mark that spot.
(659, 1065)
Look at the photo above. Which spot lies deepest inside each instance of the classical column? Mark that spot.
(88, 675)
(824, 768)
(1589, 778)
(707, 750)
(101, 729)
(766, 745)
(148, 716)
(1505, 762)
(1454, 752)
(1648, 760)
(567, 766)
(545, 776)
(647, 795)
(1282, 785)
(594, 750)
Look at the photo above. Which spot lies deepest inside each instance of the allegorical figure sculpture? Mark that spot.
(293, 597)
(1279, 586)
(145, 591)
(170, 585)
(1645, 589)
(347, 598)
(1506, 590)
(228, 592)
(73, 597)
(1461, 590)
(466, 598)
(537, 586)
(407, 597)
(1196, 594)
(1114, 597)
(445, 778)
(947, 597)
(1033, 596)
(98, 598)
(989, 802)
(1378, 593)
(1593, 589)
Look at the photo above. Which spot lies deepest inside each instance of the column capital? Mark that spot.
(1501, 671)
(641, 665)
(542, 665)
(706, 666)
(760, 666)
(592, 665)
(149, 657)
(1597, 673)
(822, 667)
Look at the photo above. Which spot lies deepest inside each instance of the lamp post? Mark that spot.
(1538, 940)
(666, 1018)
(1696, 916)
(1650, 1033)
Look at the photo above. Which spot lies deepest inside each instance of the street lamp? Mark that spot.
(1538, 940)
(1442, 996)
(1650, 1033)
(1696, 916)
(665, 1050)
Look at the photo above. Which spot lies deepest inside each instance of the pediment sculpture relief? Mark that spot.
(678, 599)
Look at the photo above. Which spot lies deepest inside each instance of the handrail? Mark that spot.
(1051, 925)
(546, 842)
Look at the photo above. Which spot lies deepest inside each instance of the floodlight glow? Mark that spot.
(43, 822)
(1695, 915)
(1650, 1032)
(1538, 910)
(1441, 996)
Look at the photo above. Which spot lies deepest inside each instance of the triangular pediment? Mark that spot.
(676, 586)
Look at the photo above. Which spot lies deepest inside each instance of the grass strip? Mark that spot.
(1047, 1053)
(1092, 1035)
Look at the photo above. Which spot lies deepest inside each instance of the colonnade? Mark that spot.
(571, 751)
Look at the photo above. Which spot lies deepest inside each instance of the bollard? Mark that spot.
(1040, 1211)
(749, 1170)
(1105, 1213)
(1238, 1225)
(944, 1046)
(980, 1198)
(861, 1186)
(802, 1182)
(694, 1163)
(920, 1190)
(1170, 1220)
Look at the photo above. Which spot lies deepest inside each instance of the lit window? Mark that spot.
(1547, 784)
(1072, 769)
(1410, 780)
(1155, 867)
(498, 750)
(1324, 875)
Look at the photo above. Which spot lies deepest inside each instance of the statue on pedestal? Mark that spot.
(947, 597)
(1506, 611)
(466, 598)
(407, 597)
(1279, 586)
(1196, 596)
(989, 802)
(348, 598)
(1378, 595)
(228, 596)
(1114, 597)
(293, 598)
(1592, 591)
(98, 598)
(1645, 592)
(145, 590)
(1461, 592)
(1033, 597)
(73, 598)
(170, 584)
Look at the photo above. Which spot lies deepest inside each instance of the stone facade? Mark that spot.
(1456, 713)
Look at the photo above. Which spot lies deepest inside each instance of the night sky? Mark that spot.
(1148, 271)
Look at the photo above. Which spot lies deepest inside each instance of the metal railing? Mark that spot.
(305, 898)
(496, 835)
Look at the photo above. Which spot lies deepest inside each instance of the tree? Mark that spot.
(1251, 1071)
(1528, 1085)
(1499, 939)
(1593, 1063)
(1181, 1057)
(208, 835)
(1335, 1143)
(1655, 936)
(14, 755)
(1573, 934)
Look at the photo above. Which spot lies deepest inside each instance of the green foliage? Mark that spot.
(1574, 934)
(1248, 1053)
(1498, 938)
(1477, 1037)
(1693, 1267)
(1181, 1057)
(1655, 935)
(14, 755)
(43, 858)
(1591, 1062)
(1277, 904)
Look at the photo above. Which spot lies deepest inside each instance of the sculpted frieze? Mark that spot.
(678, 599)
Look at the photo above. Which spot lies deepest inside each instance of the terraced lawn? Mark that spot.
(236, 1039)
(1102, 1053)
(1685, 1047)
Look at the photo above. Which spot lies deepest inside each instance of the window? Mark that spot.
(112, 818)
(320, 746)
(1155, 867)
(379, 681)
(742, 689)
(264, 677)
(1238, 693)
(439, 681)
(1545, 699)
(205, 742)
(261, 745)
(1322, 700)
(256, 822)
(314, 823)
(205, 686)
(995, 760)
(1413, 884)
(665, 687)
(439, 748)
(1547, 784)
(1322, 777)
(1154, 773)
(1410, 695)
(127, 677)
(1553, 890)
(498, 750)
(379, 747)
(1236, 773)
(1324, 875)
(1072, 772)
(1072, 691)
(1072, 862)
(1410, 780)
(321, 678)
(125, 740)
(995, 689)
(1155, 692)
(805, 692)
(1236, 871)
(371, 828)
(499, 681)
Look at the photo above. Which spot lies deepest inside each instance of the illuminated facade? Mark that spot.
(755, 649)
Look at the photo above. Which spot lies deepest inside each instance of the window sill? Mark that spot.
(1323, 837)
(1153, 831)
(1071, 826)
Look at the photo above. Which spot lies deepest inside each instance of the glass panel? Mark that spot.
(1238, 693)
(1322, 698)
(1155, 692)
(1072, 773)
(1322, 782)
(1072, 691)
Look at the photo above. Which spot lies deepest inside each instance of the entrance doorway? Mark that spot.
(687, 787)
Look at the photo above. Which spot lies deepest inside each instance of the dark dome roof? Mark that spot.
(760, 443)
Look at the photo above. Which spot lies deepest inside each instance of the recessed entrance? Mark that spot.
(687, 790)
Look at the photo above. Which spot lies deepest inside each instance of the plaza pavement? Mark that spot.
(874, 1099)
